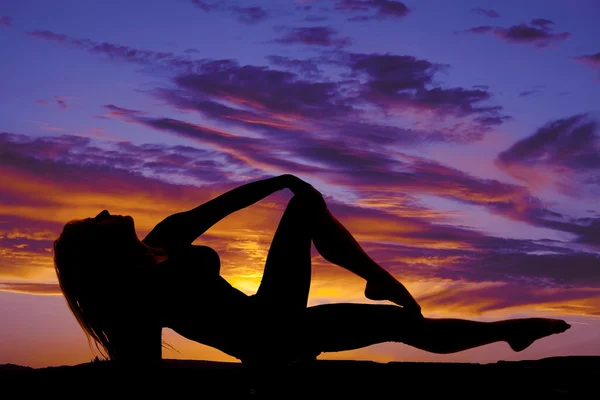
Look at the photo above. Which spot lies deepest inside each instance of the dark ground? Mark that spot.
(562, 377)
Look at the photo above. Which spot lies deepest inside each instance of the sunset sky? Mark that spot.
(457, 140)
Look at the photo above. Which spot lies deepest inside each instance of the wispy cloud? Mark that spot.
(558, 153)
(486, 12)
(390, 82)
(313, 36)
(365, 10)
(250, 15)
(139, 179)
(341, 130)
(245, 122)
(117, 52)
(406, 81)
(58, 101)
(31, 288)
(244, 14)
(538, 32)
(5, 21)
(591, 60)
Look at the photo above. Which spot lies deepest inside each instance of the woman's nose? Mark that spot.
(103, 214)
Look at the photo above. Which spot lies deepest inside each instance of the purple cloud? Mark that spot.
(372, 9)
(70, 161)
(247, 15)
(350, 165)
(269, 124)
(565, 153)
(121, 53)
(407, 81)
(304, 67)
(542, 270)
(484, 259)
(204, 5)
(312, 96)
(297, 142)
(114, 111)
(287, 92)
(479, 29)
(537, 89)
(486, 12)
(129, 54)
(485, 298)
(527, 93)
(250, 15)
(591, 60)
(542, 23)
(5, 21)
(541, 37)
(369, 172)
(333, 107)
(252, 152)
(569, 145)
(61, 102)
(538, 32)
(56, 155)
(51, 36)
(313, 36)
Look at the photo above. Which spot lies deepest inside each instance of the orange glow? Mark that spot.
(41, 289)
(242, 241)
(20, 263)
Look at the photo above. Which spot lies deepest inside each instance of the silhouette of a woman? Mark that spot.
(123, 291)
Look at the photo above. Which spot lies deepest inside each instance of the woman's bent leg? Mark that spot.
(286, 279)
(337, 245)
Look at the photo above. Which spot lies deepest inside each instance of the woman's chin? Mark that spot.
(130, 220)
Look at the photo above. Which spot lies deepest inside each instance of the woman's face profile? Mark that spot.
(104, 218)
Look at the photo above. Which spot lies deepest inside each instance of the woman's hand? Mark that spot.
(303, 189)
(295, 184)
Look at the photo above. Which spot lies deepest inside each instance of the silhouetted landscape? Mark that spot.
(557, 376)
(269, 182)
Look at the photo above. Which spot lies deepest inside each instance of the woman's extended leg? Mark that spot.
(339, 327)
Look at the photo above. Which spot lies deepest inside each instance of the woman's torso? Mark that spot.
(196, 302)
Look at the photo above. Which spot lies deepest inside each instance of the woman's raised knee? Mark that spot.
(308, 202)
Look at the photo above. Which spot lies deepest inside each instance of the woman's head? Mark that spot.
(100, 264)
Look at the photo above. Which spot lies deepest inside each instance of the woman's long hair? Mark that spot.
(106, 276)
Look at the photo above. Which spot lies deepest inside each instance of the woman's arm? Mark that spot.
(184, 227)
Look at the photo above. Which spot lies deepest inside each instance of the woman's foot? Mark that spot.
(393, 291)
(523, 332)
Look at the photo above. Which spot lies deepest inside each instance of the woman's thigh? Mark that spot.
(286, 278)
(276, 337)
